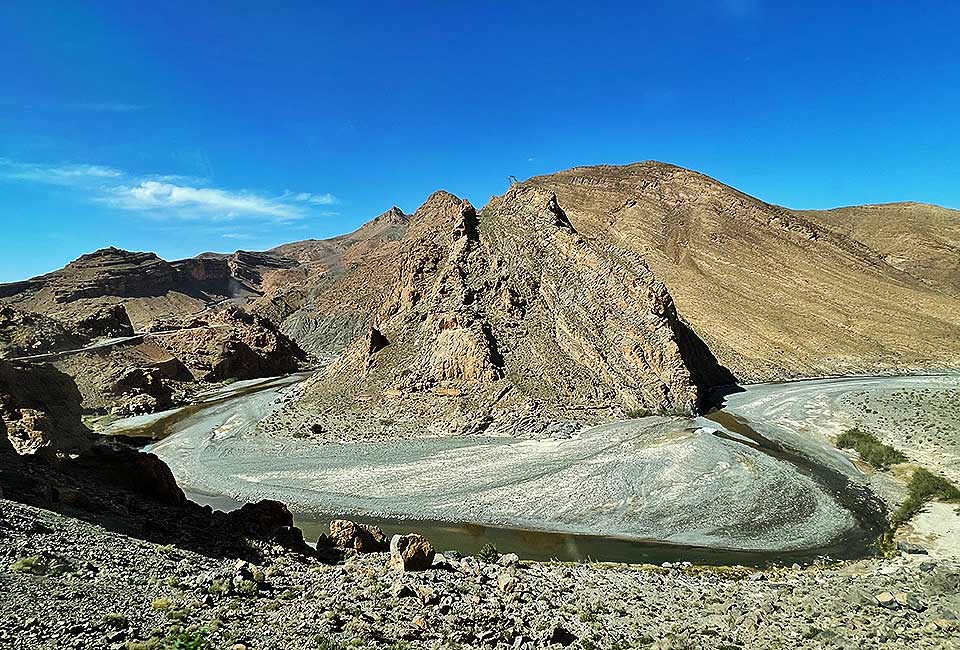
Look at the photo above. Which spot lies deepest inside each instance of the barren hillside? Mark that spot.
(778, 293)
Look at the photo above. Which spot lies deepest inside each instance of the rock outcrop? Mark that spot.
(232, 344)
(361, 538)
(507, 320)
(107, 322)
(148, 287)
(411, 552)
(40, 407)
(23, 333)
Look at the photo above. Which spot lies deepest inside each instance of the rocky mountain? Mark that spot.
(778, 293)
(919, 239)
(189, 328)
(575, 296)
(508, 319)
(149, 287)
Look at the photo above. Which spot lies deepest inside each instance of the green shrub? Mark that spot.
(924, 486)
(115, 620)
(326, 643)
(220, 586)
(870, 449)
(488, 553)
(161, 604)
(188, 640)
(179, 640)
(33, 564)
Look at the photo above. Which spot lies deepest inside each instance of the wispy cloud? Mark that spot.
(309, 197)
(167, 195)
(111, 107)
(66, 175)
(197, 201)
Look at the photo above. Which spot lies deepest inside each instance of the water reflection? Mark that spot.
(468, 539)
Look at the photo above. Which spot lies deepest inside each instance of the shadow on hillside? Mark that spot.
(705, 369)
(75, 490)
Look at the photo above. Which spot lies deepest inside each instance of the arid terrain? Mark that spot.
(638, 354)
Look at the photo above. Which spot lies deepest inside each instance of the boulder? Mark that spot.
(509, 560)
(263, 518)
(361, 538)
(138, 472)
(411, 552)
(107, 322)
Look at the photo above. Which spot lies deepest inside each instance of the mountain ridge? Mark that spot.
(774, 293)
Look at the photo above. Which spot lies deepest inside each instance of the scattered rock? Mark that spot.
(561, 636)
(887, 600)
(911, 548)
(509, 560)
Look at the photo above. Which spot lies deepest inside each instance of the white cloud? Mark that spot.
(168, 195)
(199, 201)
(309, 197)
(67, 175)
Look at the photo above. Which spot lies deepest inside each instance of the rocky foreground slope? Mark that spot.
(94, 588)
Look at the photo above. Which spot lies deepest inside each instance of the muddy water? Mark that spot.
(144, 429)
(540, 545)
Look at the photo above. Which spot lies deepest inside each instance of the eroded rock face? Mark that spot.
(113, 272)
(510, 320)
(41, 410)
(779, 293)
(143, 391)
(234, 344)
(24, 333)
(107, 322)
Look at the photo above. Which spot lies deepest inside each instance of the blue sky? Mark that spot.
(181, 127)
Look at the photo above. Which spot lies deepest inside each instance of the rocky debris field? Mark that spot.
(72, 584)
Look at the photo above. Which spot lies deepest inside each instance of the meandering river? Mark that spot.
(754, 482)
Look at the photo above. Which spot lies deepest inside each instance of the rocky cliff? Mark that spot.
(231, 344)
(148, 287)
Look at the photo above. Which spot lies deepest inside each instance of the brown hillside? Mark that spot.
(777, 293)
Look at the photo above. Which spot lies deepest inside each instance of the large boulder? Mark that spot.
(106, 322)
(233, 344)
(142, 389)
(411, 552)
(361, 538)
(137, 472)
(41, 409)
(263, 518)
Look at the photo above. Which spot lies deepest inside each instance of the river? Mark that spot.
(734, 487)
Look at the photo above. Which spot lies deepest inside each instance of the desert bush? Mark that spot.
(870, 449)
(924, 485)
(488, 553)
